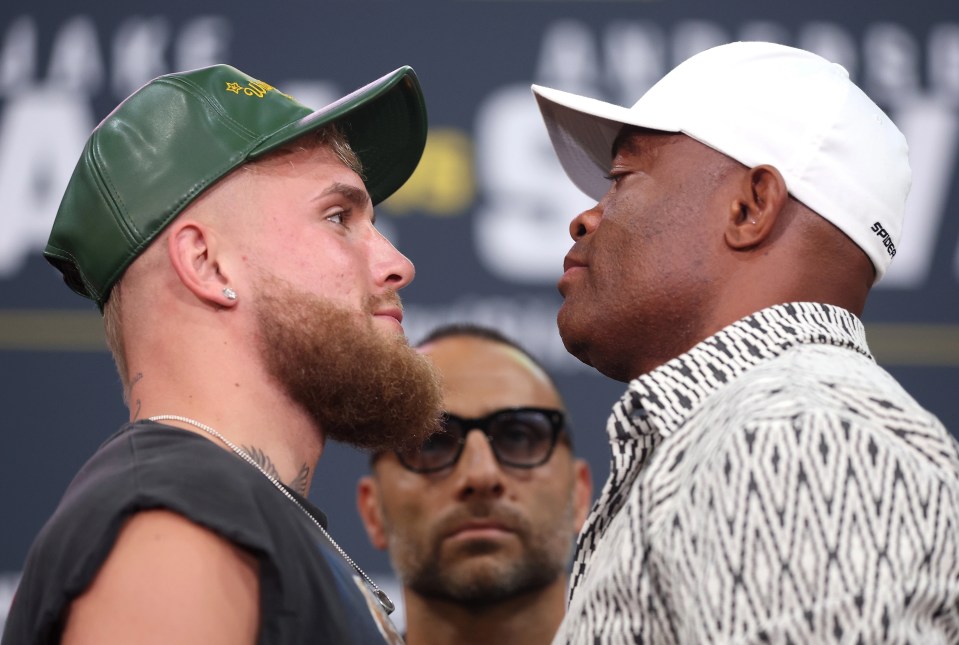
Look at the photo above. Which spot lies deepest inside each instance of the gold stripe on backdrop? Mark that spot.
(41, 330)
(918, 345)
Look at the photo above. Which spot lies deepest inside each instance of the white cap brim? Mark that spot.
(838, 152)
(583, 130)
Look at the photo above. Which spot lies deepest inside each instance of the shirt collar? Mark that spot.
(662, 400)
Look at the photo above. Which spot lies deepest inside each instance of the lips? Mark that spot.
(386, 306)
(478, 530)
(571, 266)
(478, 524)
(571, 262)
(481, 518)
(391, 312)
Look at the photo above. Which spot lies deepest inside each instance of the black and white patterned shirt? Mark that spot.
(772, 485)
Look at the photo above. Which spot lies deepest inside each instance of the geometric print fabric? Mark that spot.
(772, 485)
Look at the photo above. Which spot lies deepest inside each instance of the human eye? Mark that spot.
(517, 435)
(340, 217)
(616, 177)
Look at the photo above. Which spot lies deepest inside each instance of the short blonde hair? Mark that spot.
(330, 137)
(113, 331)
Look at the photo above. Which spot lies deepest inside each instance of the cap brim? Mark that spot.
(582, 131)
(385, 123)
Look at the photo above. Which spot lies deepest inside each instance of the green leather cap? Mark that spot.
(180, 133)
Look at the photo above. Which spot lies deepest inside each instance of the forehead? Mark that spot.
(635, 141)
(480, 376)
(299, 160)
(300, 178)
(293, 169)
(672, 154)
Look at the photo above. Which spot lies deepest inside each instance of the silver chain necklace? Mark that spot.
(379, 593)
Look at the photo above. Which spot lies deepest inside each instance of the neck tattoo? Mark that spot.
(380, 595)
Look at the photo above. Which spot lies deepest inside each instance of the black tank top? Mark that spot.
(308, 593)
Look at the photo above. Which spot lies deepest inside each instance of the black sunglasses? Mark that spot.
(519, 437)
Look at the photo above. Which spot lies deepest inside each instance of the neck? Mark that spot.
(205, 364)
(262, 421)
(527, 619)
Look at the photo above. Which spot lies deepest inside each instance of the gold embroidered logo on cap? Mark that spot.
(253, 88)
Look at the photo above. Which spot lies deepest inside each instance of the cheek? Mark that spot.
(408, 508)
(550, 509)
(642, 246)
(333, 276)
(617, 253)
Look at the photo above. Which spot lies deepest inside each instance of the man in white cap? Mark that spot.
(769, 481)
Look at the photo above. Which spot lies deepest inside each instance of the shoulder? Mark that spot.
(814, 404)
(209, 584)
(814, 468)
(148, 466)
(829, 384)
(139, 469)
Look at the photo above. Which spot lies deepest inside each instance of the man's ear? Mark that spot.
(193, 253)
(368, 504)
(582, 492)
(753, 214)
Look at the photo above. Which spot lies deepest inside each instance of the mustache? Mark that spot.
(386, 300)
(482, 511)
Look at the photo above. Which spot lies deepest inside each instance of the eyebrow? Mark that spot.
(624, 139)
(356, 196)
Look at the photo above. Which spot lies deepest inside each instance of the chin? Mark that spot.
(580, 347)
(574, 343)
(616, 373)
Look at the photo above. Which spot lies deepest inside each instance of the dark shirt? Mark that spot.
(308, 593)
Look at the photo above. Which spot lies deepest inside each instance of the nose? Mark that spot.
(390, 267)
(478, 471)
(585, 223)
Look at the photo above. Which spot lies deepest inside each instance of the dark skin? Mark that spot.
(685, 242)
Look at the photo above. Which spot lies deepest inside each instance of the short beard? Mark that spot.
(363, 387)
(543, 561)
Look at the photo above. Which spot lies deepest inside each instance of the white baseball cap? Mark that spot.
(760, 103)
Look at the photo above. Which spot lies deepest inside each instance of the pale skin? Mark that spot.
(408, 512)
(306, 218)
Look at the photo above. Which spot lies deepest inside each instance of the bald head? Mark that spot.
(470, 520)
(480, 374)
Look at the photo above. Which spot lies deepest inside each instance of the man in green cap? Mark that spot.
(227, 234)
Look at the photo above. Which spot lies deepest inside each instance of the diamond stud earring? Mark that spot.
(229, 293)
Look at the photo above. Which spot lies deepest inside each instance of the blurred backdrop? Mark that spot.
(485, 217)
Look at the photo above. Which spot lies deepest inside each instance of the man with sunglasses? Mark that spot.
(479, 520)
